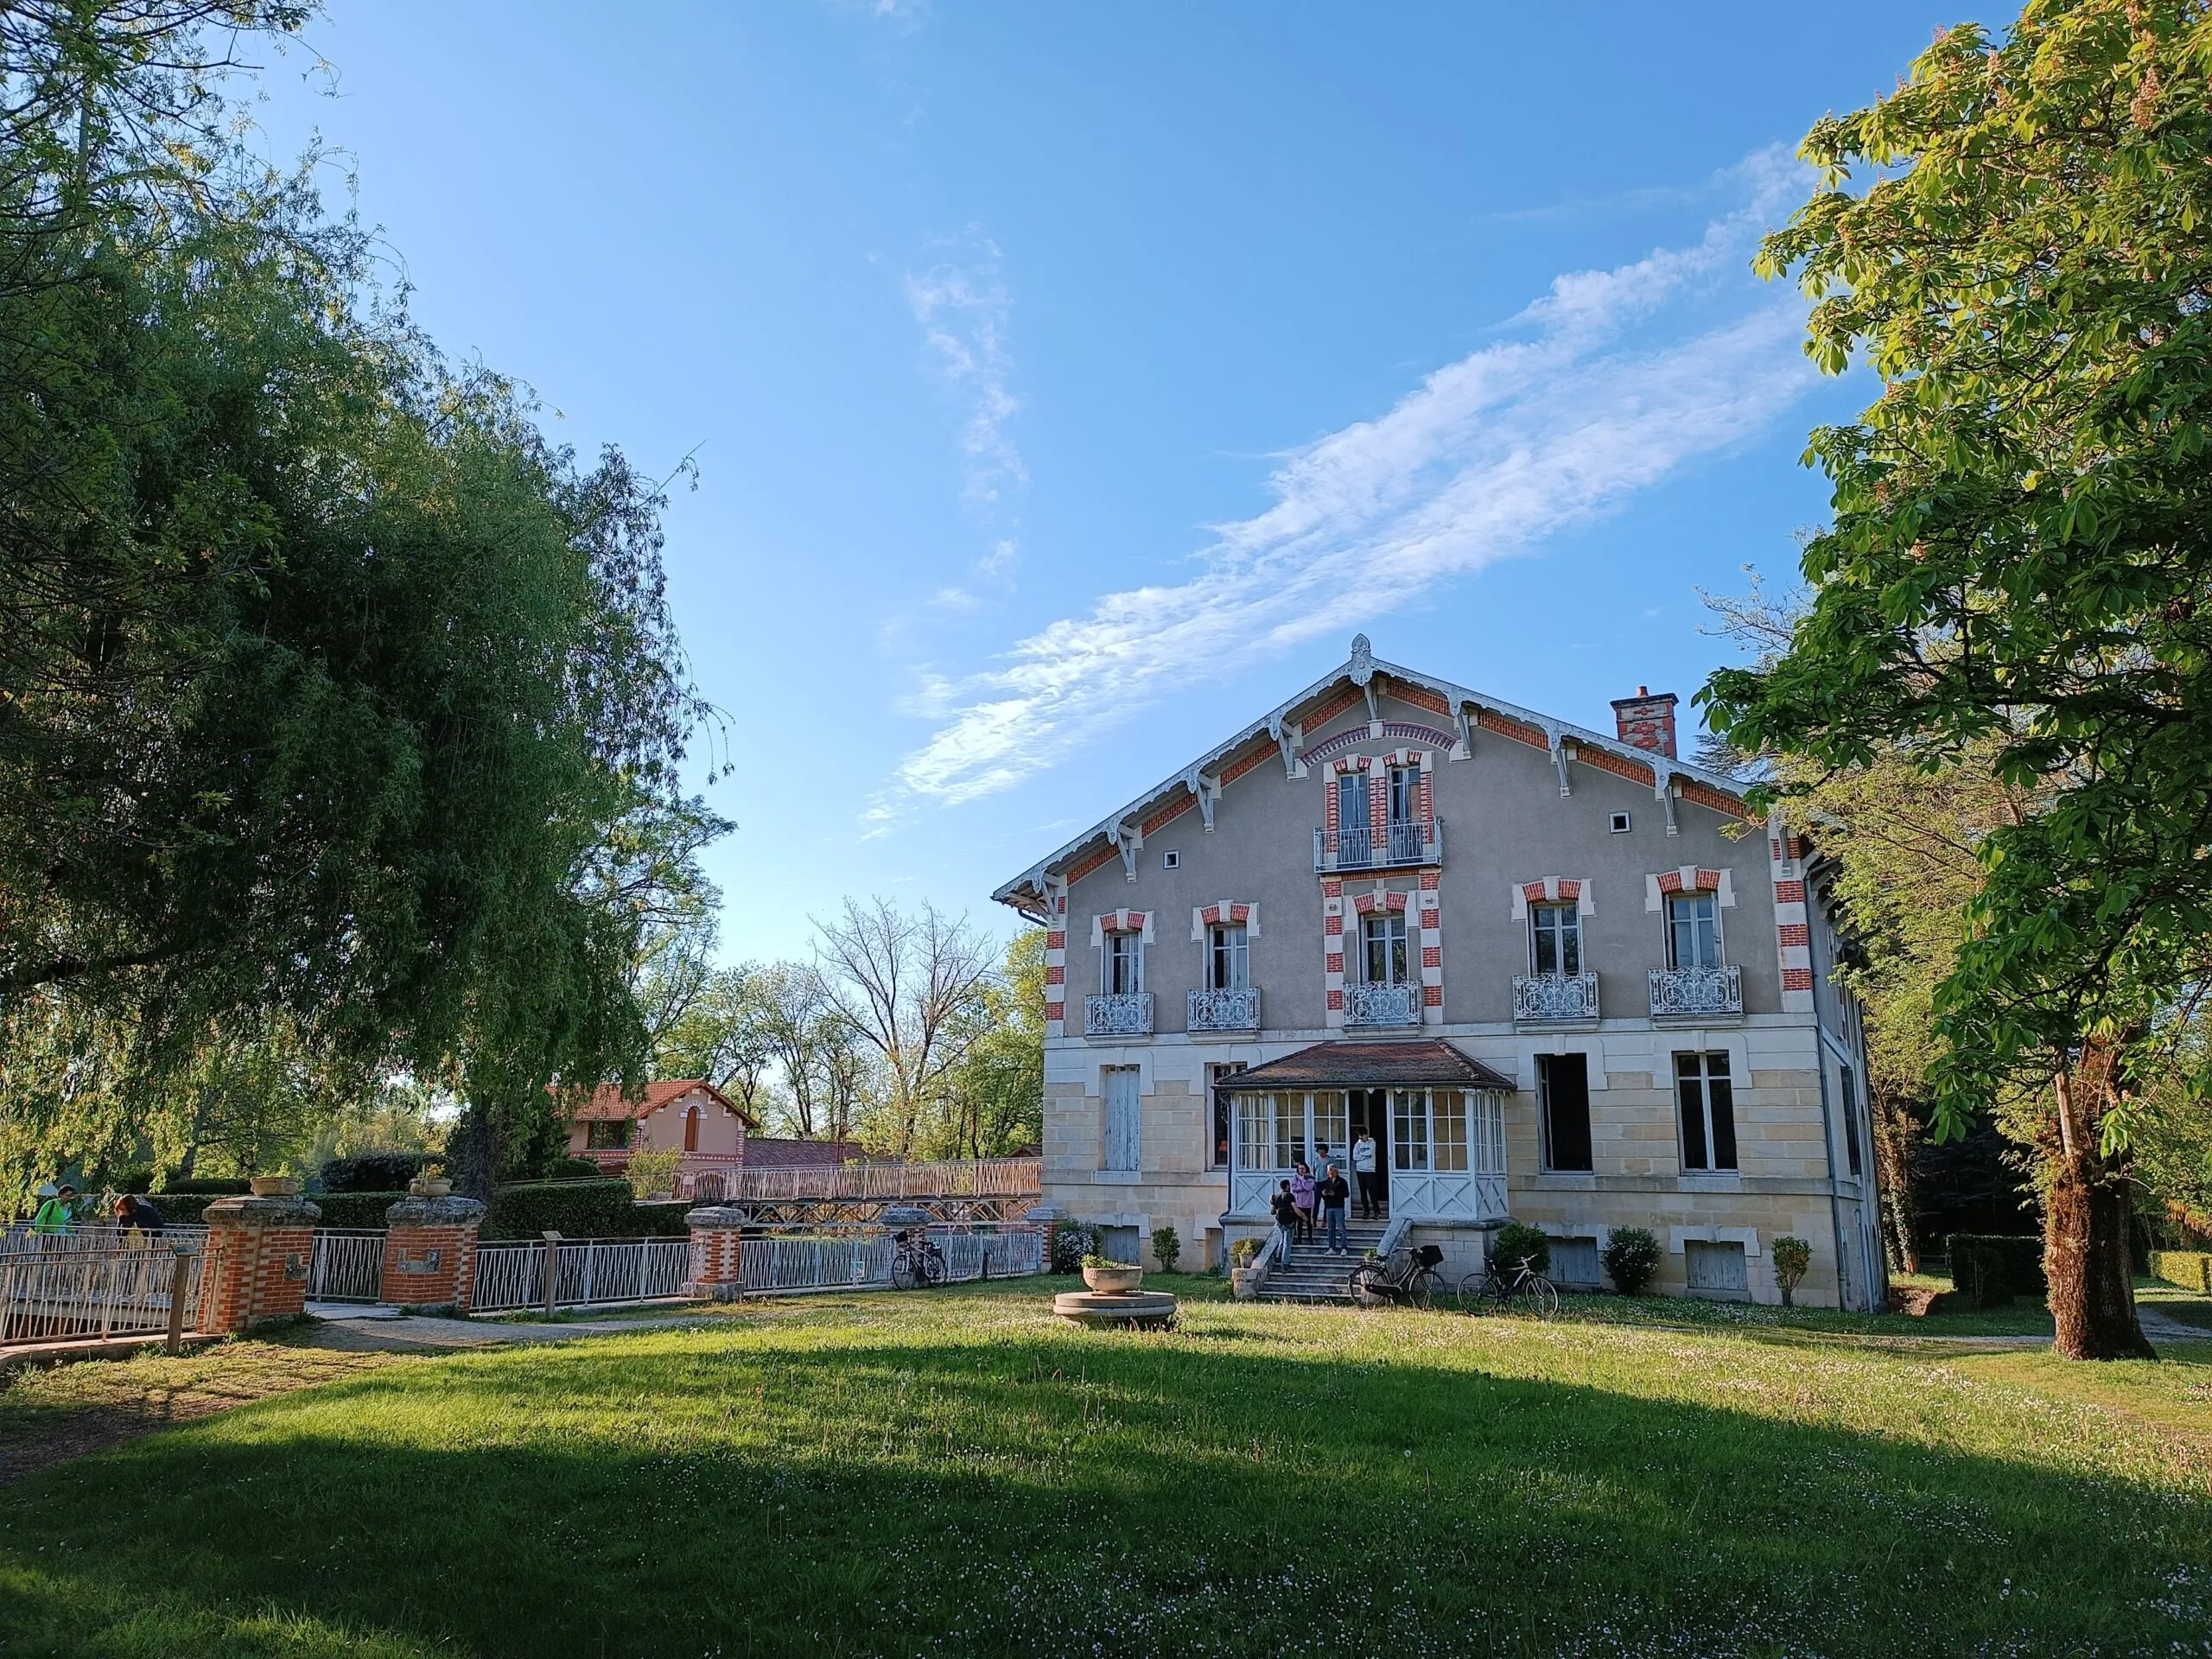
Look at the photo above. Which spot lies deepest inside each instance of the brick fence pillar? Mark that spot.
(429, 1252)
(259, 1251)
(717, 1275)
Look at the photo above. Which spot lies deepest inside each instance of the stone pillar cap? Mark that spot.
(718, 1215)
(448, 1211)
(244, 1210)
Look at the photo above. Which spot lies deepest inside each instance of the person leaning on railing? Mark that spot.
(138, 1217)
(57, 1212)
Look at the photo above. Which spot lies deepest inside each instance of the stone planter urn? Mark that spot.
(1113, 1279)
(276, 1187)
(1244, 1282)
(429, 1186)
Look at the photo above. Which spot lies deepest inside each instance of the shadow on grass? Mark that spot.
(1033, 1494)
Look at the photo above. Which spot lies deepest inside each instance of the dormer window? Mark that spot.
(1555, 939)
(1228, 958)
(1693, 930)
(1124, 964)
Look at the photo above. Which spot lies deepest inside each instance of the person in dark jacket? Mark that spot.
(1286, 1211)
(133, 1212)
(1334, 1195)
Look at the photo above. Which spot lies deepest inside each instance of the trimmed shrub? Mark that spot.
(376, 1172)
(1167, 1246)
(354, 1209)
(575, 1209)
(211, 1187)
(1632, 1257)
(661, 1220)
(651, 1173)
(1792, 1257)
(576, 1169)
(1999, 1265)
(1069, 1244)
(1518, 1245)
(2190, 1269)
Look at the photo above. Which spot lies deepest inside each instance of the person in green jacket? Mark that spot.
(58, 1212)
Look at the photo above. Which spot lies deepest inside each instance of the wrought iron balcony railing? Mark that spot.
(1416, 840)
(1539, 998)
(1225, 1011)
(1687, 991)
(1124, 1014)
(1381, 1005)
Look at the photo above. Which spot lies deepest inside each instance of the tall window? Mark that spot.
(1563, 1109)
(1382, 947)
(1707, 1100)
(1124, 964)
(1228, 964)
(1405, 808)
(1693, 930)
(1221, 1108)
(1409, 1128)
(1556, 939)
(1447, 1147)
(1849, 1092)
(1352, 816)
(1256, 1130)
(691, 1128)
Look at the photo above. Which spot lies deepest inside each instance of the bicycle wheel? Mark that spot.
(1427, 1285)
(1472, 1298)
(933, 1267)
(1368, 1285)
(1543, 1296)
(902, 1272)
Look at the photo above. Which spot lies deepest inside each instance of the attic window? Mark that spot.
(1620, 824)
(1171, 860)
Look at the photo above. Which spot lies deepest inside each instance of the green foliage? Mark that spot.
(1068, 1243)
(1245, 1251)
(1631, 1258)
(2190, 1269)
(366, 1209)
(375, 1172)
(214, 1187)
(1518, 1245)
(576, 1169)
(1167, 1247)
(573, 1209)
(1989, 1270)
(1791, 1256)
(652, 1173)
(1093, 1259)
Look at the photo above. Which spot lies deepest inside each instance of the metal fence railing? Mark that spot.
(63, 1286)
(18, 1236)
(587, 1271)
(779, 1264)
(348, 1265)
(960, 1177)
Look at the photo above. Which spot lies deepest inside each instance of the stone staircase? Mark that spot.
(1314, 1275)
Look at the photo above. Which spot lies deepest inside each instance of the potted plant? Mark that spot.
(1243, 1277)
(1102, 1274)
(276, 1187)
(429, 1186)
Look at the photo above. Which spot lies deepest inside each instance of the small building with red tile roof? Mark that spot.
(689, 1116)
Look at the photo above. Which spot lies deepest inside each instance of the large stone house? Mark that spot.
(1562, 977)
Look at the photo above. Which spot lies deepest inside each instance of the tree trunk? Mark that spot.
(2084, 1233)
(1894, 1132)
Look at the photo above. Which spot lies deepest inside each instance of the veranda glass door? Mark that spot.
(1275, 1133)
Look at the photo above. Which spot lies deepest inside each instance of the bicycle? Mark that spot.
(1408, 1275)
(1493, 1287)
(915, 1261)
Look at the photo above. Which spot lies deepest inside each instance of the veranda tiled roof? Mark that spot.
(1370, 1066)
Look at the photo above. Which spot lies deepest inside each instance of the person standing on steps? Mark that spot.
(1334, 1194)
(1363, 1165)
(1286, 1209)
(1301, 1194)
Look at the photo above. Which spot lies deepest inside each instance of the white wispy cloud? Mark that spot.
(1613, 381)
(962, 304)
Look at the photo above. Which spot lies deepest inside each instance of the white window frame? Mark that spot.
(1720, 938)
(1705, 1078)
(1232, 942)
(1124, 945)
(1402, 941)
(1572, 927)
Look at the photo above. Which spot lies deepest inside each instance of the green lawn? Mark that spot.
(952, 1473)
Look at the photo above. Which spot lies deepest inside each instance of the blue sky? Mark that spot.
(1068, 384)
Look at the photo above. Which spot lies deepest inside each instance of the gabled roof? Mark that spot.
(1280, 730)
(606, 1101)
(1370, 1066)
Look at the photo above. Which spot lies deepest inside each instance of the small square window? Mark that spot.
(1171, 860)
(1620, 824)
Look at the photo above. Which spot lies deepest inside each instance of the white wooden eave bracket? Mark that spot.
(1289, 737)
(1462, 716)
(1559, 758)
(1128, 840)
(1207, 789)
(1662, 786)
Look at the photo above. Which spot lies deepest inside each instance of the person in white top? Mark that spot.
(1362, 1165)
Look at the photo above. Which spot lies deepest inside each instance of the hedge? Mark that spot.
(578, 1209)
(205, 1186)
(2190, 1269)
(354, 1209)
(1991, 1268)
(375, 1172)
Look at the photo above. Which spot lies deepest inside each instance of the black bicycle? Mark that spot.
(1408, 1275)
(915, 1261)
(1515, 1286)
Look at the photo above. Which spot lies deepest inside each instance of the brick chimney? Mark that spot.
(1647, 721)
